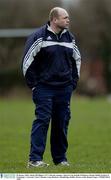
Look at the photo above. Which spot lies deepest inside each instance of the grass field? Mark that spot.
(89, 137)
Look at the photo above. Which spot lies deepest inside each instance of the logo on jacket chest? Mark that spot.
(49, 38)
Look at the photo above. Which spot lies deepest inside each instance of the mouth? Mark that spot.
(67, 24)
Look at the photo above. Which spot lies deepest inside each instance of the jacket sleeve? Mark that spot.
(77, 57)
(77, 63)
(32, 47)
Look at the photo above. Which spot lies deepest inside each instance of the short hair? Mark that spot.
(54, 13)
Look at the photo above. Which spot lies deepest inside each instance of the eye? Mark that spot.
(66, 17)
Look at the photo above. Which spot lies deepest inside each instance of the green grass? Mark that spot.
(89, 137)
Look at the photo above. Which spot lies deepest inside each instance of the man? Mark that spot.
(51, 66)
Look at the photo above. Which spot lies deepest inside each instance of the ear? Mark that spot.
(55, 20)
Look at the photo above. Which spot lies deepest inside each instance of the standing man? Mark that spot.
(51, 66)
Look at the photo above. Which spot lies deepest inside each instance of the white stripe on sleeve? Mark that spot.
(77, 57)
(29, 57)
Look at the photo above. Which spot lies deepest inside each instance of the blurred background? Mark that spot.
(91, 24)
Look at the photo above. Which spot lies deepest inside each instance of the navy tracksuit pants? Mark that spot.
(51, 104)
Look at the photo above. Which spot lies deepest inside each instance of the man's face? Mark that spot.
(62, 21)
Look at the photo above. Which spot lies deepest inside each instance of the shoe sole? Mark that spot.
(34, 166)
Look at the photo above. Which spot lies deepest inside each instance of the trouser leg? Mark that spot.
(59, 125)
(43, 101)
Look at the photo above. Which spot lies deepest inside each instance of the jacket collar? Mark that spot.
(49, 29)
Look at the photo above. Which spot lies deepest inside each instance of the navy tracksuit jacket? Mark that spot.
(51, 66)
